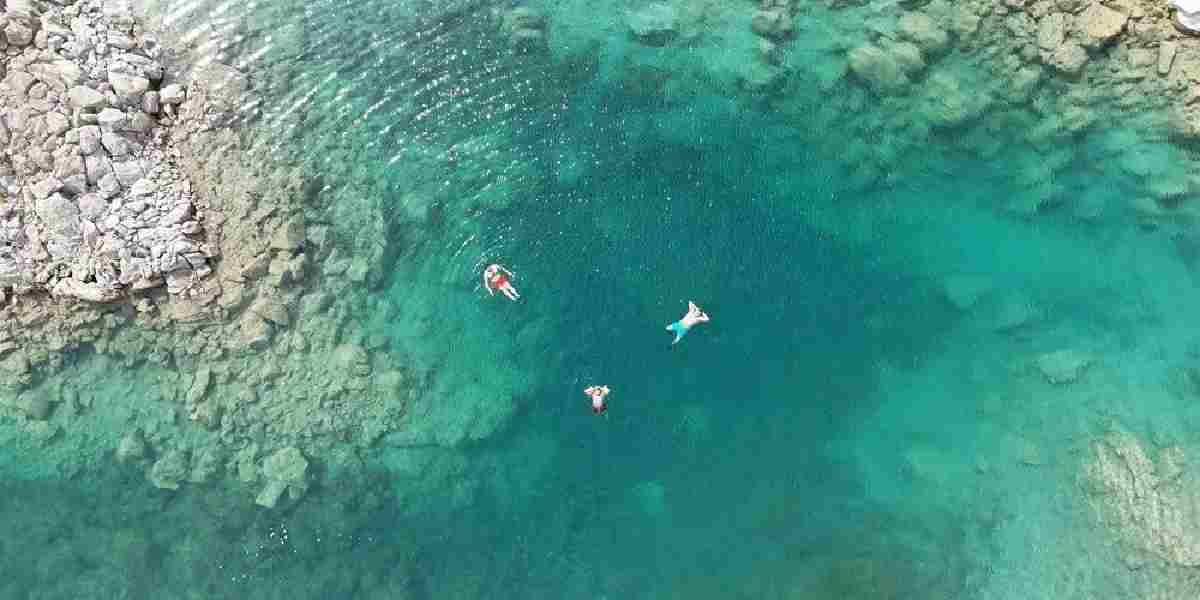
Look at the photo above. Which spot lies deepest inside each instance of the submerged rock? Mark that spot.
(1068, 58)
(170, 470)
(921, 30)
(1101, 24)
(656, 24)
(285, 470)
(1064, 366)
(131, 447)
(878, 69)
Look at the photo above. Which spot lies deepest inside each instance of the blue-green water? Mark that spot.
(841, 429)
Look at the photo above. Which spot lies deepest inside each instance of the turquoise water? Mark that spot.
(841, 429)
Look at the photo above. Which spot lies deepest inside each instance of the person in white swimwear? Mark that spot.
(682, 326)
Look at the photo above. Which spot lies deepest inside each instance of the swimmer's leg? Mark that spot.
(679, 331)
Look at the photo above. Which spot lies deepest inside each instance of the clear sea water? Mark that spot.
(839, 430)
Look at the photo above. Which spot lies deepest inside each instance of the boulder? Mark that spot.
(285, 470)
(775, 23)
(128, 171)
(83, 97)
(1068, 59)
(89, 139)
(112, 119)
(86, 291)
(879, 70)
(171, 94)
(1052, 31)
(60, 215)
(271, 309)
(289, 236)
(60, 74)
(92, 206)
(1101, 24)
(254, 332)
(946, 102)
(18, 33)
(920, 29)
(129, 88)
(655, 24)
(1166, 56)
(907, 55)
(1063, 366)
(169, 470)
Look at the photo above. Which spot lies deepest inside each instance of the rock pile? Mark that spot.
(94, 205)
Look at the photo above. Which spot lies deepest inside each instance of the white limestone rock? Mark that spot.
(18, 33)
(1069, 58)
(1101, 24)
(89, 140)
(85, 98)
(129, 88)
(1052, 31)
(112, 119)
(172, 94)
(1166, 56)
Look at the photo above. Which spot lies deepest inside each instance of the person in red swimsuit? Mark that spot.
(498, 279)
(598, 394)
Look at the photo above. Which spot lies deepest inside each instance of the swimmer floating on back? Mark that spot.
(497, 278)
(682, 326)
(598, 393)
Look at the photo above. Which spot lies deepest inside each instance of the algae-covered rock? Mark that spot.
(1063, 366)
(655, 24)
(965, 290)
(945, 102)
(131, 448)
(878, 69)
(170, 470)
(923, 31)
(285, 470)
(1068, 58)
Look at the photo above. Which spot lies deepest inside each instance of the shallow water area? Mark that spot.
(949, 354)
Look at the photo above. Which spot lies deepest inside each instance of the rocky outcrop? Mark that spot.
(97, 207)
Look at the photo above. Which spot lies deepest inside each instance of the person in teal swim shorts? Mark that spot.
(682, 326)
